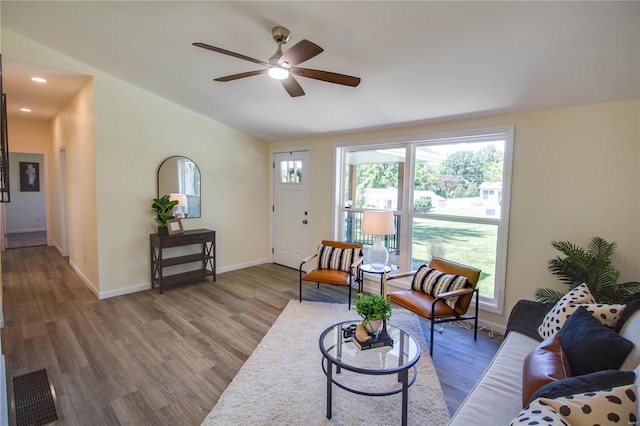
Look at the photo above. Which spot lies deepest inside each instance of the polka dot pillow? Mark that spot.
(556, 317)
(617, 405)
(579, 296)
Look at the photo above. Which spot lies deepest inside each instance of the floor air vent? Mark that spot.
(34, 399)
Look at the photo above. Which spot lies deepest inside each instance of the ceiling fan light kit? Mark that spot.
(282, 65)
(279, 73)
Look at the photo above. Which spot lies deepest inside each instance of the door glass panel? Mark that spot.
(291, 171)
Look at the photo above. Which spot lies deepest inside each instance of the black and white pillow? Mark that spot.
(434, 282)
(617, 405)
(556, 317)
(335, 258)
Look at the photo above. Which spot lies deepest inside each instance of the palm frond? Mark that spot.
(547, 295)
(629, 288)
(601, 250)
(593, 267)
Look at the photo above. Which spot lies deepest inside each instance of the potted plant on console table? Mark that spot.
(375, 310)
(162, 209)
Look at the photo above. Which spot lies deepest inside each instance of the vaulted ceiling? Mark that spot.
(418, 61)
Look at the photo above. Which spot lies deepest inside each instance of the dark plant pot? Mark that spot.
(162, 230)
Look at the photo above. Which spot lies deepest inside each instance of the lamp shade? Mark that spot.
(378, 222)
(181, 198)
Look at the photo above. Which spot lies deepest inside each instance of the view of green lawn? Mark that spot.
(468, 243)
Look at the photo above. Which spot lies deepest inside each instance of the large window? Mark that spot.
(449, 196)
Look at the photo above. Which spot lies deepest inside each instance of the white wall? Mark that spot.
(575, 176)
(133, 132)
(26, 212)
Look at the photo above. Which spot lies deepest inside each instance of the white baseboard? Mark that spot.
(19, 231)
(123, 291)
(242, 265)
(147, 286)
(85, 280)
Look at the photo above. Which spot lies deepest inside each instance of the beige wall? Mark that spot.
(32, 137)
(575, 175)
(134, 131)
(73, 131)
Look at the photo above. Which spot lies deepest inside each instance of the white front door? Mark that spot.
(291, 208)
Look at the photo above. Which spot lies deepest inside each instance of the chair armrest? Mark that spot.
(455, 293)
(305, 260)
(308, 258)
(526, 316)
(400, 275)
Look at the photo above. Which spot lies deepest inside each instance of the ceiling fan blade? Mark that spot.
(292, 87)
(300, 52)
(230, 53)
(241, 75)
(330, 77)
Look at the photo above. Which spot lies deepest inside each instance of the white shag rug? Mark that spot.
(282, 382)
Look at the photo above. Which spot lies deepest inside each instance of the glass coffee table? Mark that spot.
(340, 351)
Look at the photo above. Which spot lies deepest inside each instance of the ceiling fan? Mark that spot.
(282, 65)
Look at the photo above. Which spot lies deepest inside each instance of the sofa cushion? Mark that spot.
(335, 258)
(546, 363)
(611, 406)
(592, 346)
(556, 317)
(495, 398)
(433, 282)
(597, 381)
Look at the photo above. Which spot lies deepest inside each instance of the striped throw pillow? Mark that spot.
(434, 282)
(335, 258)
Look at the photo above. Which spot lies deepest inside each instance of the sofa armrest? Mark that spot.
(526, 316)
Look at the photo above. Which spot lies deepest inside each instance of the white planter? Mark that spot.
(373, 326)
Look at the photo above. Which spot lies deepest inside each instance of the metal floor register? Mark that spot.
(34, 399)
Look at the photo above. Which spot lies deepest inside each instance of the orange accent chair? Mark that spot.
(338, 264)
(435, 308)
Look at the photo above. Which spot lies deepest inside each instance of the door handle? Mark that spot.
(305, 221)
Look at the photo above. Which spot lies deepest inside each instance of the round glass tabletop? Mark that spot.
(341, 351)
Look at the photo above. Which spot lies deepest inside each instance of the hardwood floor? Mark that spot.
(147, 358)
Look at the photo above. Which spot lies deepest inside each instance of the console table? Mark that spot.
(205, 238)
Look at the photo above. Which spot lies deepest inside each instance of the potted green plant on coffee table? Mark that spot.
(374, 310)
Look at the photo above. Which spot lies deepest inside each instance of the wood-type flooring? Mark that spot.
(146, 358)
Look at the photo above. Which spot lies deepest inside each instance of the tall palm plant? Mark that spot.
(592, 266)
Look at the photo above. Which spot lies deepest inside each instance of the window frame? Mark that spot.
(495, 305)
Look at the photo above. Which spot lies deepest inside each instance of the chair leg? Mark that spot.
(475, 329)
(300, 280)
(433, 325)
(349, 304)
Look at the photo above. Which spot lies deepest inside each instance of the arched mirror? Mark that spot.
(180, 177)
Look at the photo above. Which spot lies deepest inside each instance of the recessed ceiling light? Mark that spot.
(38, 79)
(25, 110)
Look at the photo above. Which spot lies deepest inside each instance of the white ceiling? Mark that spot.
(419, 61)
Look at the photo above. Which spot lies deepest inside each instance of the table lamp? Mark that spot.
(180, 209)
(378, 223)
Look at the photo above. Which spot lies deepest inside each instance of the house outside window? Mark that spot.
(449, 195)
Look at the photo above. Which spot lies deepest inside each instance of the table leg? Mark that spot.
(329, 385)
(405, 395)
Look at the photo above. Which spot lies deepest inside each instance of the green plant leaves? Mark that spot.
(547, 295)
(592, 266)
(373, 306)
(162, 209)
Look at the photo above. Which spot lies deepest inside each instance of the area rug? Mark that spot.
(282, 382)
